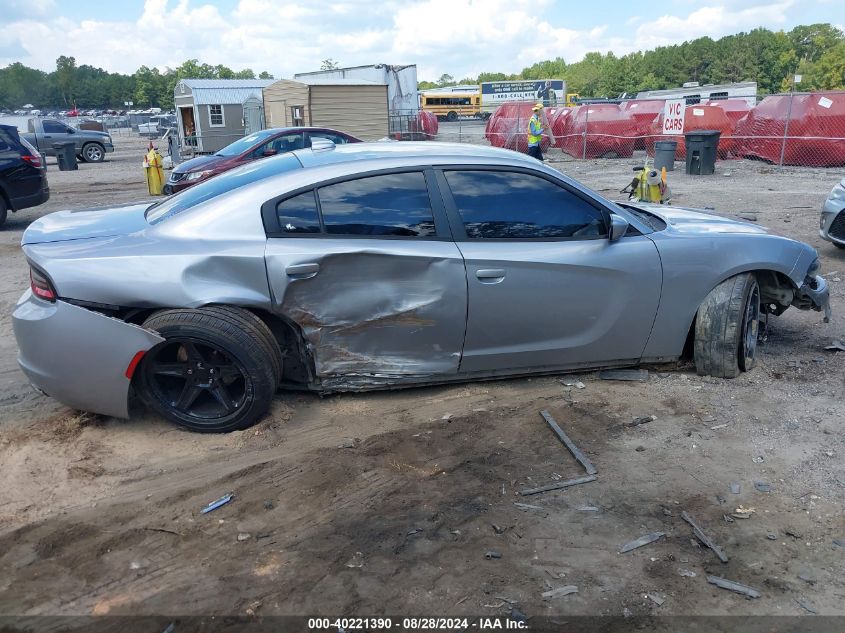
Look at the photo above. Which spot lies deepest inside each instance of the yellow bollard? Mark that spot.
(155, 175)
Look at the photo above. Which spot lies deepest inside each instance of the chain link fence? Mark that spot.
(792, 129)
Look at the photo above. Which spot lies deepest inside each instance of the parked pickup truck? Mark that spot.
(91, 146)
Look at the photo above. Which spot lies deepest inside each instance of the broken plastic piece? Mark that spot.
(701, 536)
(216, 504)
(576, 452)
(557, 486)
(560, 591)
(736, 587)
(643, 540)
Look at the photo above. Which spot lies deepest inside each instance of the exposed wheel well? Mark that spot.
(777, 292)
(298, 362)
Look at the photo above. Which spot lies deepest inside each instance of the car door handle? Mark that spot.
(302, 271)
(490, 275)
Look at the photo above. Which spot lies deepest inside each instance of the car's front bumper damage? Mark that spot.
(81, 358)
(814, 294)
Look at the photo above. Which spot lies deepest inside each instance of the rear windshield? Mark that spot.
(240, 146)
(213, 187)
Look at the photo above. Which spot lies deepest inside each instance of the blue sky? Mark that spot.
(460, 37)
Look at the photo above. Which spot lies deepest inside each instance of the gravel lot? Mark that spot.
(386, 503)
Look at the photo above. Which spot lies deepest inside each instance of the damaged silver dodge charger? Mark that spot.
(384, 264)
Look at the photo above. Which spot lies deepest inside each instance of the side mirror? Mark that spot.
(71, 130)
(618, 227)
(269, 152)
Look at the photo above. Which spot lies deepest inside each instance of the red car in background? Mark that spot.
(253, 147)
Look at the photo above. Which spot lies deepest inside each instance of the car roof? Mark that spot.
(425, 152)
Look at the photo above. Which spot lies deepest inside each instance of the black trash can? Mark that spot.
(701, 148)
(66, 155)
(664, 155)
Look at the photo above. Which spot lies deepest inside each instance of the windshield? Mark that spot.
(239, 147)
(225, 182)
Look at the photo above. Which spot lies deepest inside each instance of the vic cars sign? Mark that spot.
(673, 116)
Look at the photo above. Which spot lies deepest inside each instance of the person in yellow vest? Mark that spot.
(535, 132)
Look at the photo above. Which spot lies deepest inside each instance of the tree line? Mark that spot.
(94, 88)
(771, 58)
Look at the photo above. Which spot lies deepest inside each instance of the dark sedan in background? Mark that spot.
(23, 182)
(259, 145)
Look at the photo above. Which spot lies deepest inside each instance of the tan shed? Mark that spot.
(354, 106)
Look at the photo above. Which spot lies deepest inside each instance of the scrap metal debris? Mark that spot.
(686, 573)
(498, 529)
(576, 452)
(805, 606)
(658, 600)
(490, 554)
(645, 419)
(701, 536)
(762, 486)
(643, 540)
(560, 591)
(640, 375)
(743, 513)
(735, 488)
(219, 502)
(836, 346)
(527, 506)
(558, 485)
(736, 587)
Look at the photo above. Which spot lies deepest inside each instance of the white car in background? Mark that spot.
(832, 223)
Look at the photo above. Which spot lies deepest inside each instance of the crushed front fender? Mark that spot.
(77, 356)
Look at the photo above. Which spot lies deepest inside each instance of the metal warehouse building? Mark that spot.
(356, 106)
(212, 113)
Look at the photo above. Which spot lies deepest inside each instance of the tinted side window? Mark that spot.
(516, 205)
(6, 140)
(54, 127)
(299, 214)
(391, 204)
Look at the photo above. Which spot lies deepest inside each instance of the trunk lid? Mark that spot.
(81, 224)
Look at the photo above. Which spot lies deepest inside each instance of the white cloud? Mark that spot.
(459, 37)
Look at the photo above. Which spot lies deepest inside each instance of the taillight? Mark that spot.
(34, 158)
(41, 285)
(35, 161)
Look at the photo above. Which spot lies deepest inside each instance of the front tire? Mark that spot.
(215, 372)
(93, 153)
(726, 328)
(452, 116)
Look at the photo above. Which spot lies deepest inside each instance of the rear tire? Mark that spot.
(215, 372)
(726, 328)
(4, 211)
(452, 116)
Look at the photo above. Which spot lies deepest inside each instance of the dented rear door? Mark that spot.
(373, 280)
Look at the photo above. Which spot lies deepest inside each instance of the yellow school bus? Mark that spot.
(450, 105)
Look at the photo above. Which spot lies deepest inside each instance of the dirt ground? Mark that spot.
(387, 503)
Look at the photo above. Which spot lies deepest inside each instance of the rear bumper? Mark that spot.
(77, 356)
(25, 202)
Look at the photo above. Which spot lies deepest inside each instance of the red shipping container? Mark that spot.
(816, 119)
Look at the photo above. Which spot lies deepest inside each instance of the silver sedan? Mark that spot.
(832, 224)
(379, 265)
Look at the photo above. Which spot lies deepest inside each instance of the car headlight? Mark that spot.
(837, 193)
(196, 175)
